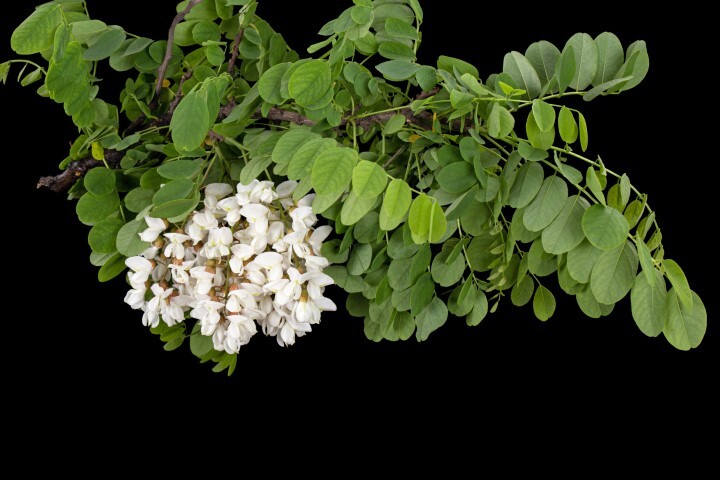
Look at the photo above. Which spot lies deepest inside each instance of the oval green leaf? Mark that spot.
(605, 227)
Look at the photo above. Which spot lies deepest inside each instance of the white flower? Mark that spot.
(239, 332)
(306, 312)
(257, 215)
(175, 247)
(241, 254)
(263, 192)
(303, 218)
(200, 224)
(318, 237)
(141, 270)
(290, 330)
(208, 314)
(175, 310)
(156, 305)
(155, 227)
(180, 272)
(204, 279)
(136, 298)
(231, 208)
(244, 191)
(218, 244)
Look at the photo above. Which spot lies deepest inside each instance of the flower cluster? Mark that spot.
(252, 258)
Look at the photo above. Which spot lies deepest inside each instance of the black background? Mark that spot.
(72, 329)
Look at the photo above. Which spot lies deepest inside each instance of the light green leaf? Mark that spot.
(544, 115)
(303, 160)
(395, 204)
(449, 64)
(421, 294)
(200, 345)
(527, 184)
(547, 204)
(686, 325)
(543, 56)
(426, 220)
(603, 87)
(522, 73)
(174, 190)
(522, 291)
(138, 199)
(649, 303)
(581, 260)
(583, 132)
(400, 29)
(586, 60)
(310, 82)
(269, 83)
(539, 139)
(360, 259)
(37, 32)
(92, 209)
(430, 319)
(102, 236)
(540, 262)
(368, 180)
(462, 299)
(543, 303)
(610, 57)
(189, 123)
(614, 274)
(354, 208)
(605, 227)
(637, 64)
(397, 70)
(179, 169)
(588, 303)
(447, 274)
(566, 232)
(394, 125)
(128, 240)
(254, 168)
(646, 260)
(333, 170)
(500, 122)
(456, 177)
(679, 281)
(67, 83)
(396, 51)
(290, 143)
(567, 126)
(176, 208)
(400, 327)
(104, 44)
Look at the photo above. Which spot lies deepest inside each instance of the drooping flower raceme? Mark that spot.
(244, 261)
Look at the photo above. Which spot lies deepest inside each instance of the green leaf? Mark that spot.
(104, 44)
(522, 73)
(400, 29)
(102, 236)
(128, 240)
(400, 327)
(100, 181)
(426, 220)
(395, 204)
(679, 281)
(310, 82)
(625, 189)
(189, 123)
(37, 32)
(479, 311)
(540, 262)
(447, 274)
(538, 139)
(112, 268)
(450, 64)
(67, 83)
(583, 132)
(581, 260)
(176, 208)
(543, 56)
(637, 64)
(303, 160)
(290, 143)
(649, 303)
(179, 169)
(269, 84)
(586, 60)
(605, 227)
(522, 291)
(566, 231)
(593, 183)
(603, 87)
(354, 208)
(456, 177)
(547, 204)
(567, 126)
(397, 70)
(200, 345)
(634, 212)
(610, 57)
(333, 170)
(588, 304)
(646, 260)
(527, 184)
(430, 319)
(544, 115)
(421, 294)
(500, 122)
(565, 69)
(426, 77)
(395, 124)
(92, 209)
(614, 273)
(686, 325)
(254, 168)
(543, 304)
(368, 180)
(174, 190)
(360, 259)
(138, 199)
(462, 299)
(396, 51)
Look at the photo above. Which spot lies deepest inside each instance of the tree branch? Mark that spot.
(168, 52)
(235, 51)
(77, 169)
